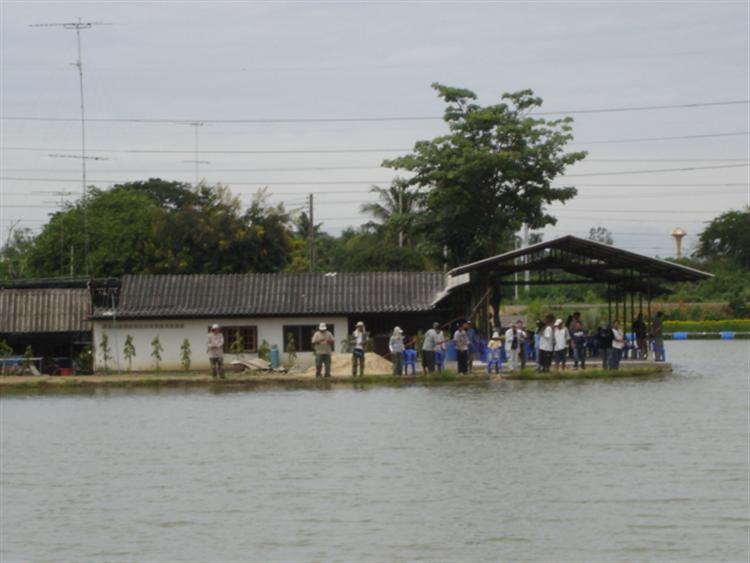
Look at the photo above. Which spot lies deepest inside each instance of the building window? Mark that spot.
(249, 335)
(302, 336)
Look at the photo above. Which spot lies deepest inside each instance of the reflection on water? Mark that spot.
(646, 469)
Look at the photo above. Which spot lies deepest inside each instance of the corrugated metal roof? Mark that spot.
(45, 310)
(151, 296)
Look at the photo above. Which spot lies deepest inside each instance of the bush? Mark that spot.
(264, 351)
(732, 325)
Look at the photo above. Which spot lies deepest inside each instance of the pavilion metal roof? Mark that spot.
(590, 260)
(38, 310)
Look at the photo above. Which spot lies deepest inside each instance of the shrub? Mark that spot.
(156, 350)
(264, 351)
(185, 353)
(291, 350)
(105, 352)
(128, 351)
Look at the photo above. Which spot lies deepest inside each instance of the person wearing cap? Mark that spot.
(429, 345)
(215, 350)
(322, 343)
(514, 339)
(562, 344)
(359, 340)
(396, 346)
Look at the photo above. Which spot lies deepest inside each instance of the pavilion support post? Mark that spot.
(609, 303)
(496, 301)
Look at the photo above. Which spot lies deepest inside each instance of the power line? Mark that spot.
(349, 151)
(656, 170)
(366, 119)
(645, 139)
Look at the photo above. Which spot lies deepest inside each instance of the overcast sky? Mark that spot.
(242, 60)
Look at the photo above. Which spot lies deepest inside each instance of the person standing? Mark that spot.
(604, 339)
(640, 332)
(657, 336)
(215, 350)
(514, 339)
(546, 343)
(618, 344)
(562, 344)
(359, 341)
(396, 346)
(429, 345)
(579, 337)
(461, 340)
(322, 342)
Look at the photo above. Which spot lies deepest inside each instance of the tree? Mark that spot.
(601, 234)
(105, 352)
(727, 238)
(14, 253)
(185, 354)
(238, 344)
(5, 352)
(264, 351)
(491, 173)
(28, 356)
(364, 251)
(128, 351)
(394, 213)
(156, 350)
(291, 349)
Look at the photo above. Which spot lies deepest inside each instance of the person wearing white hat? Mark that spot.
(215, 350)
(359, 340)
(322, 343)
(396, 346)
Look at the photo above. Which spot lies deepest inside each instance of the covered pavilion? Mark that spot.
(630, 278)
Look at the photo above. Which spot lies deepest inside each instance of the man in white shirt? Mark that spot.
(546, 343)
(215, 349)
(562, 344)
(514, 339)
(359, 340)
(429, 345)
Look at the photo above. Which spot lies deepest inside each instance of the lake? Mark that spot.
(650, 469)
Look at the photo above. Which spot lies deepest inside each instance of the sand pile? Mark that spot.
(341, 364)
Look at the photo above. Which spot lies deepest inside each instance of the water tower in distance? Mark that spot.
(678, 234)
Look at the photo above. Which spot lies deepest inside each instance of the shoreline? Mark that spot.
(11, 384)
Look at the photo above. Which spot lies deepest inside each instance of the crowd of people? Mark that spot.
(552, 341)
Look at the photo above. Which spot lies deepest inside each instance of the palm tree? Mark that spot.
(394, 209)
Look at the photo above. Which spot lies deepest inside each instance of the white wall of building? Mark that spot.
(171, 334)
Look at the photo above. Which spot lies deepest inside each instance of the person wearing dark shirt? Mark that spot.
(640, 332)
(604, 337)
(579, 335)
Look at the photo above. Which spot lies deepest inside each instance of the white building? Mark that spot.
(261, 307)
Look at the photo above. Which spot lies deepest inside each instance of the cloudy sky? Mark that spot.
(225, 62)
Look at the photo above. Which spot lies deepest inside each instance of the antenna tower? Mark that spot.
(78, 26)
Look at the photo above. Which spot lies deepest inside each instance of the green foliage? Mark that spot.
(394, 213)
(155, 227)
(128, 351)
(363, 251)
(370, 344)
(238, 344)
(5, 351)
(105, 352)
(291, 349)
(732, 325)
(156, 350)
(85, 360)
(28, 354)
(185, 354)
(14, 254)
(264, 351)
(727, 237)
(492, 172)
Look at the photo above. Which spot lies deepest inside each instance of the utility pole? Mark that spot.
(78, 26)
(197, 125)
(311, 236)
(526, 273)
(401, 218)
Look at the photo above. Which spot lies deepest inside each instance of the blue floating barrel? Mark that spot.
(680, 335)
(275, 356)
(727, 335)
(450, 351)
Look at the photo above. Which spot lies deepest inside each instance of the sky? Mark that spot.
(204, 61)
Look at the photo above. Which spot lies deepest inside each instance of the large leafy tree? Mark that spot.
(492, 172)
(158, 227)
(394, 211)
(727, 237)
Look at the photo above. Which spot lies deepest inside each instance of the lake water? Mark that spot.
(652, 469)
